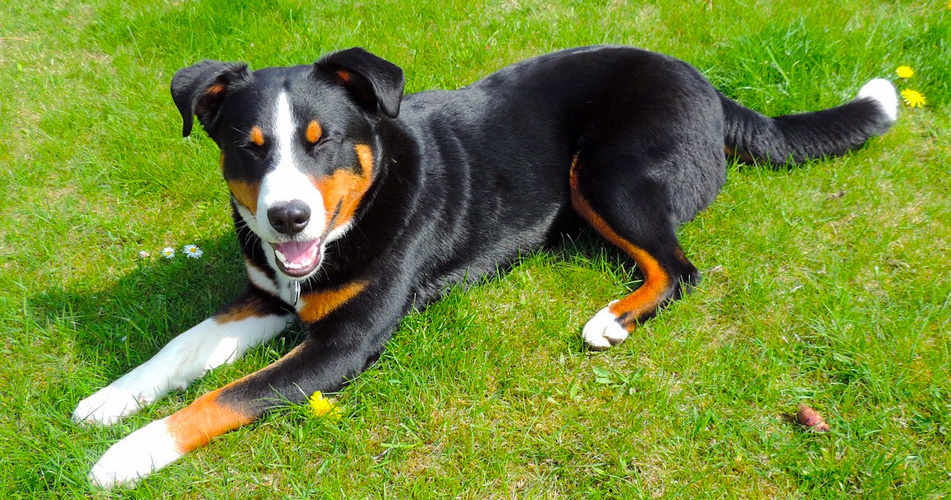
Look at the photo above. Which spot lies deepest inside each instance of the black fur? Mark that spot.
(374, 82)
(794, 139)
(190, 85)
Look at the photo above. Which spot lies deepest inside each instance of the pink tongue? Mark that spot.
(298, 252)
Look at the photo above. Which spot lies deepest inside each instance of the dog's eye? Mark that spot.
(259, 151)
(317, 147)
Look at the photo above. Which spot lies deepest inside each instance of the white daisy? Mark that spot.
(168, 253)
(192, 251)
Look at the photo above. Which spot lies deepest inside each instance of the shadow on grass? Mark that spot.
(121, 325)
(588, 245)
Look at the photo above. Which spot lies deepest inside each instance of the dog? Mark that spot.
(353, 205)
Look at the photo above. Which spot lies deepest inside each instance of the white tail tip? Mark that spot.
(883, 92)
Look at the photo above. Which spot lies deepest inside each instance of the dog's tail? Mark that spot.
(793, 139)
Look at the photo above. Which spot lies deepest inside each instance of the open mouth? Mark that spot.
(297, 258)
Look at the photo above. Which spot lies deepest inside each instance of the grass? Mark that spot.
(826, 285)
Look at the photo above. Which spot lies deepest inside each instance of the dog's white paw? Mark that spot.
(106, 406)
(603, 331)
(136, 456)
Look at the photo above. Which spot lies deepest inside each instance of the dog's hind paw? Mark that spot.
(603, 331)
(106, 407)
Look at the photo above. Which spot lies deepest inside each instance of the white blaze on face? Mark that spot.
(286, 182)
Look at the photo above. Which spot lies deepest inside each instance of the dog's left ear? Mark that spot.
(200, 89)
(372, 81)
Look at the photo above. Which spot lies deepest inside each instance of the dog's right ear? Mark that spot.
(373, 82)
(200, 89)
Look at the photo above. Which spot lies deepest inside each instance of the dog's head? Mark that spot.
(298, 144)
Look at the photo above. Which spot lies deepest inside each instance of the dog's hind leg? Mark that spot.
(633, 213)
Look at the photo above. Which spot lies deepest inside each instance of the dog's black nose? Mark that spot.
(289, 218)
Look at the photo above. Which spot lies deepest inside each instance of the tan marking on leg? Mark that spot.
(650, 295)
(195, 425)
(656, 286)
(251, 307)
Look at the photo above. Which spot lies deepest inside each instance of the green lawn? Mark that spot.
(827, 285)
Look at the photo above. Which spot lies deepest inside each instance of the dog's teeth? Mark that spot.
(279, 255)
(302, 265)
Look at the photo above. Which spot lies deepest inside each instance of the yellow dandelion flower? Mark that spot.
(322, 407)
(949, 4)
(905, 71)
(913, 98)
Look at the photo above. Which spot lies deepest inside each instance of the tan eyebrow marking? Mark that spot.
(313, 132)
(256, 135)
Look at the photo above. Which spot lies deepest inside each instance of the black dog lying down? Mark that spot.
(352, 204)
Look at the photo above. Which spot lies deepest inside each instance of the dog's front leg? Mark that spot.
(347, 328)
(253, 317)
